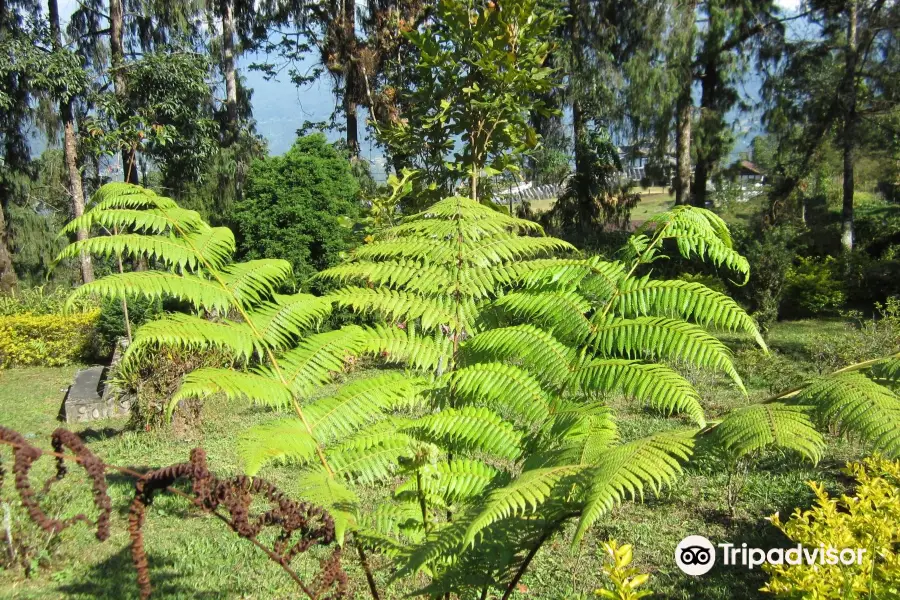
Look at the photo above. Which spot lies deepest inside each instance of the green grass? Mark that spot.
(195, 556)
(653, 202)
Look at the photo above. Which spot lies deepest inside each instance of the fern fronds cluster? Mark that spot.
(498, 349)
(860, 402)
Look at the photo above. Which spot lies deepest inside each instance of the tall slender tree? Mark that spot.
(70, 146)
(730, 31)
(840, 83)
(18, 19)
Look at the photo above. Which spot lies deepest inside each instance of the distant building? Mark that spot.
(751, 179)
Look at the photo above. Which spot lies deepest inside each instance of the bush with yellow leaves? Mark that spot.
(868, 520)
(625, 579)
(50, 340)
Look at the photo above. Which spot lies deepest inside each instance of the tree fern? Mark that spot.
(507, 354)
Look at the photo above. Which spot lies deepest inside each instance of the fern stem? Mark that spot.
(124, 300)
(658, 236)
(527, 562)
(370, 578)
(848, 369)
(269, 353)
(422, 505)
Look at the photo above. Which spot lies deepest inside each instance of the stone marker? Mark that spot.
(91, 398)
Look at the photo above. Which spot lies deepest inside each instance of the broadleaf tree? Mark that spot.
(481, 74)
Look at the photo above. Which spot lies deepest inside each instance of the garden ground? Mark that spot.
(195, 556)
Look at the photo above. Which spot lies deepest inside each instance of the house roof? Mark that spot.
(748, 167)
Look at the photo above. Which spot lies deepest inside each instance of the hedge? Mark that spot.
(47, 340)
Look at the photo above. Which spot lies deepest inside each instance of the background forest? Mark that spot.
(624, 272)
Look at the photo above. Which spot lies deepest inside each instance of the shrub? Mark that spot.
(152, 381)
(625, 578)
(293, 204)
(864, 339)
(40, 301)
(771, 252)
(868, 520)
(47, 340)
(111, 324)
(813, 288)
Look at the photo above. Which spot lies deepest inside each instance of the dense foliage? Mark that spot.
(296, 207)
(867, 519)
(47, 340)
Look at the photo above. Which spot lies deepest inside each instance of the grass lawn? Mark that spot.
(194, 556)
(653, 201)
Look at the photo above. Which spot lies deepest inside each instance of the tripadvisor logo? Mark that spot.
(696, 555)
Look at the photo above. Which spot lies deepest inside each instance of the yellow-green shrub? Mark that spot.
(870, 519)
(46, 340)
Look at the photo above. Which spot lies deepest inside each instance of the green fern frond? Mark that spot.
(445, 540)
(759, 426)
(568, 273)
(653, 384)
(424, 278)
(857, 406)
(624, 471)
(697, 232)
(370, 457)
(431, 251)
(359, 403)
(887, 371)
(461, 480)
(408, 347)
(561, 312)
(154, 220)
(577, 433)
(253, 281)
(470, 429)
(401, 306)
(683, 299)
(321, 489)
(511, 247)
(392, 518)
(467, 229)
(173, 251)
(526, 493)
(283, 440)
(318, 357)
(659, 337)
(286, 318)
(534, 348)
(127, 195)
(212, 245)
(207, 381)
(505, 388)
(188, 332)
(461, 208)
(199, 292)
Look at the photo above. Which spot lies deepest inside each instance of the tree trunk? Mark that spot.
(683, 148)
(850, 118)
(231, 109)
(351, 78)
(117, 60)
(70, 149)
(578, 120)
(683, 110)
(705, 157)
